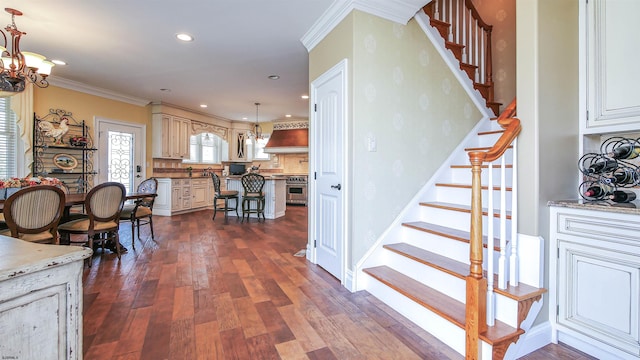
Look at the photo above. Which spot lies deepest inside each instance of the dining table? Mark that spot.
(78, 199)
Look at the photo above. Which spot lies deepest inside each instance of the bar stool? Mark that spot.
(223, 195)
(252, 184)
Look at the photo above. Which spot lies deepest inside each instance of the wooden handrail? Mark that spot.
(476, 15)
(476, 284)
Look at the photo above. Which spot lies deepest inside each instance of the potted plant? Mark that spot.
(189, 170)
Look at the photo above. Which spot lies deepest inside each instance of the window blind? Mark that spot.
(8, 139)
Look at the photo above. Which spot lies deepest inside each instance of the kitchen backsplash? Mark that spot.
(279, 164)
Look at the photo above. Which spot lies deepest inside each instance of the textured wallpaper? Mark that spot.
(407, 99)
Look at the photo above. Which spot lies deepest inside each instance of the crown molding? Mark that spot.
(399, 11)
(92, 90)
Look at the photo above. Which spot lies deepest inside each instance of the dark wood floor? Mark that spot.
(206, 290)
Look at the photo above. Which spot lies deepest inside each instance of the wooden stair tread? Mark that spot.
(460, 208)
(508, 166)
(450, 233)
(468, 186)
(491, 132)
(443, 305)
(459, 269)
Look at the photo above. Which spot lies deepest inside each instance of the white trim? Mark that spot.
(92, 90)
(341, 70)
(399, 11)
(534, 339)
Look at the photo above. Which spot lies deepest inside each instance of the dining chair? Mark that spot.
(140, 212)
(252, 185)
(103, 204)
(33, 214)
(223, 195)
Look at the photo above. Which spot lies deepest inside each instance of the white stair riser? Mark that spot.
(463, 196)
(459, 220)
(442, 329)
(453, 249)
(435, 279)
(463, 176)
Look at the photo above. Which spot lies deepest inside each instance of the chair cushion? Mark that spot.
(44, 236)
(82, 225)
(253, 194)
(141, 212)
(227, 193)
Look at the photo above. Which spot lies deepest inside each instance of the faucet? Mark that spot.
(207, 171)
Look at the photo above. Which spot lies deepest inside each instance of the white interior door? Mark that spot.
(121, 152)
(329, 118)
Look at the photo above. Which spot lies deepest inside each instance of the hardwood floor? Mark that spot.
(206, 290)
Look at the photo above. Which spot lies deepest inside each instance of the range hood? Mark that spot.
(289, 137)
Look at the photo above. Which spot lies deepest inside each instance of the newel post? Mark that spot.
(476, 304)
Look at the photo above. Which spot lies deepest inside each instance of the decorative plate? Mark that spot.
(65, 162)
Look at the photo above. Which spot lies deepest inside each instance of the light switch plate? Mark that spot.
(372, 144)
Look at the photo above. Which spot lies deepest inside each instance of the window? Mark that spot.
(208, 148)
(256, 147)
(8, 139)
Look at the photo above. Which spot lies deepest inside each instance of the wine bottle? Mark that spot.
(625, 152)
(622, 196)
(602, 167)
(624, 176)
(598, 191)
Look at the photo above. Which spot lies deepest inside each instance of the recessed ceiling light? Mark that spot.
(58, 62)
(203, 105)
(305, 96)
(244, 118)
(184, 37)
(274, 77)
(288, 115)
(165, 90)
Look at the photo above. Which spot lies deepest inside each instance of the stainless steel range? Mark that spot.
(297, 189)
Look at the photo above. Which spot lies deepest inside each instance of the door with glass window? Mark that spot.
(120, 155)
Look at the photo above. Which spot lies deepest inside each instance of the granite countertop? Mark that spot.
(632, 207)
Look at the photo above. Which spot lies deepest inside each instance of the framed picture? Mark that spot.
(65, 162)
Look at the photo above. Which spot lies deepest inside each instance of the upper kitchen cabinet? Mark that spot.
(170, 136)
(610, 76)
(239, 151)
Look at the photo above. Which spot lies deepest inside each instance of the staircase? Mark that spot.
(430, 267)
(469, 39)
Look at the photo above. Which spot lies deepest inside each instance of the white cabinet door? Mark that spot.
(199, 193)
(162, 203)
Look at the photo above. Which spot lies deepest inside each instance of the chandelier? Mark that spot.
(17, 66)
(257, 129)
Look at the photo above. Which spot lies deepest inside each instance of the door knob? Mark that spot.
(336, 186)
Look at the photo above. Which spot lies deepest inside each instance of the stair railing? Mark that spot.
(468, 29)
(480, 299)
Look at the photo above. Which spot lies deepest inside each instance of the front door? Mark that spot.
(328, 123)
(120, 153)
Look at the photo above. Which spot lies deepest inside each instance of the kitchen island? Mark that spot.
(274, 194)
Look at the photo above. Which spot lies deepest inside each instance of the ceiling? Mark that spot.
(129, 48)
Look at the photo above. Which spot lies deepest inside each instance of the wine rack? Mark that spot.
(611, 172)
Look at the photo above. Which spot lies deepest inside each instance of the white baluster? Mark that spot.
(482, 50)
(450, 20)
(464, 40)
(514, 266)
(502, 262)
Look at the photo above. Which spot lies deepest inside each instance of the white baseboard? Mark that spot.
(535, 338)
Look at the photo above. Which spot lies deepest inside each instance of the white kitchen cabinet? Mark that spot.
(172, 134)
(610, 87)
(40, 300)
(274, 193)
(183, 195)
(199, 192)
(595, 282)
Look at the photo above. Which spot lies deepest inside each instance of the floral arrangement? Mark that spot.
(15, 182)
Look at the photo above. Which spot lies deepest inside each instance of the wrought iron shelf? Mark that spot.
(54, 136)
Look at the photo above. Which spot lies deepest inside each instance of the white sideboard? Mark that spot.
(40, 300)
(274, 194)
(595, 278)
